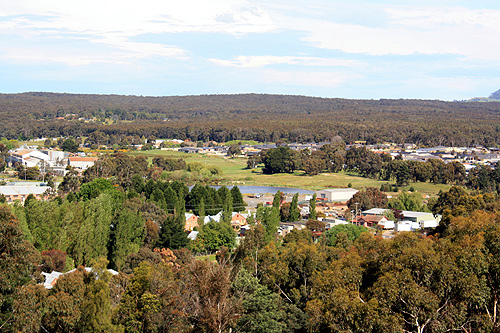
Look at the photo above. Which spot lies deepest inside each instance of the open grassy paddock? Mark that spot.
(235, 172)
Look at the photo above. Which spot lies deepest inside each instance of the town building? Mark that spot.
(81, 163)
(336, 194)
(20, 193)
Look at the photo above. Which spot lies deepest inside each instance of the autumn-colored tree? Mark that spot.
(211, 304)
(54, 260)
(371, 197)
(29, 308)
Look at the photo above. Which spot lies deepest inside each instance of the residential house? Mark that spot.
(190, 150)
(420, 220)
(374, 211)
(304, 210)
(407, 226)
(191, 222)
(51, 278)
(286, 227)
(330, 223)
(238, 220)
(369, 220)
(213, 218)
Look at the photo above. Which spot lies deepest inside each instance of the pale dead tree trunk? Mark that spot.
(493, 317)
(495, 311)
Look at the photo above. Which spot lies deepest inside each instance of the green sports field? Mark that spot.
(235, 172)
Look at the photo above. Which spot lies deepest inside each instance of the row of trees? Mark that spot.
(335, 158)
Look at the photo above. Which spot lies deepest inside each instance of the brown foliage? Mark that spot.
(54, 260)
(210, 300)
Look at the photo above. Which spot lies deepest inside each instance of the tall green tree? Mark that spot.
(371, 197)
(238, 203)
(408, 201)
(159, 198)
(96, 307)
(128, 235)
(172, 233)
(278, 197)
(215, 235)
(48, 226)
(18, 259)
(94, 188)
(171, 199)
(279, 160)
(294, 208)
(69, 145)
(227, 209)
(270, 218)
(93, 236)
(262, 308)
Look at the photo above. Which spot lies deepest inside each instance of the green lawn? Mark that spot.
(235, 172)
(210, 257)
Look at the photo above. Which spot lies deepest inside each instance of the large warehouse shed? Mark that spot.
(336, 194)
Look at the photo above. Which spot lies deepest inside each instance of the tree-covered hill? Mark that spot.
(495, 95)
(250, 116)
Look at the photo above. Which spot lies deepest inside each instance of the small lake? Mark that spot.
(245, 189)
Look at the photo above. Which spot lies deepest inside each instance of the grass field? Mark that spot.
(235, 172)
(210, 257)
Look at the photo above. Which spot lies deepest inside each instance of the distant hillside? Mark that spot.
(495, 95)
(256, 117)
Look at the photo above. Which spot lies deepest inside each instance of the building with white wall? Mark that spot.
(336, 194)
(82, 163)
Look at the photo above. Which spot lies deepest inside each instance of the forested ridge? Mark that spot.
(251, 116)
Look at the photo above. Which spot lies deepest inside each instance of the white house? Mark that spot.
(387, 224)
(429, 223)
(403, 226)
(332, 223)
(51, 278)
(374, 211)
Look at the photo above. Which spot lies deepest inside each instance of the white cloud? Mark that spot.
(124, 53)
(261, 61)
(406, 30)
(309, 79)
(115, 24)
(44, 55)
(138, 17)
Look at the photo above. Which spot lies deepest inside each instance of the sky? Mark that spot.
(448, 50)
